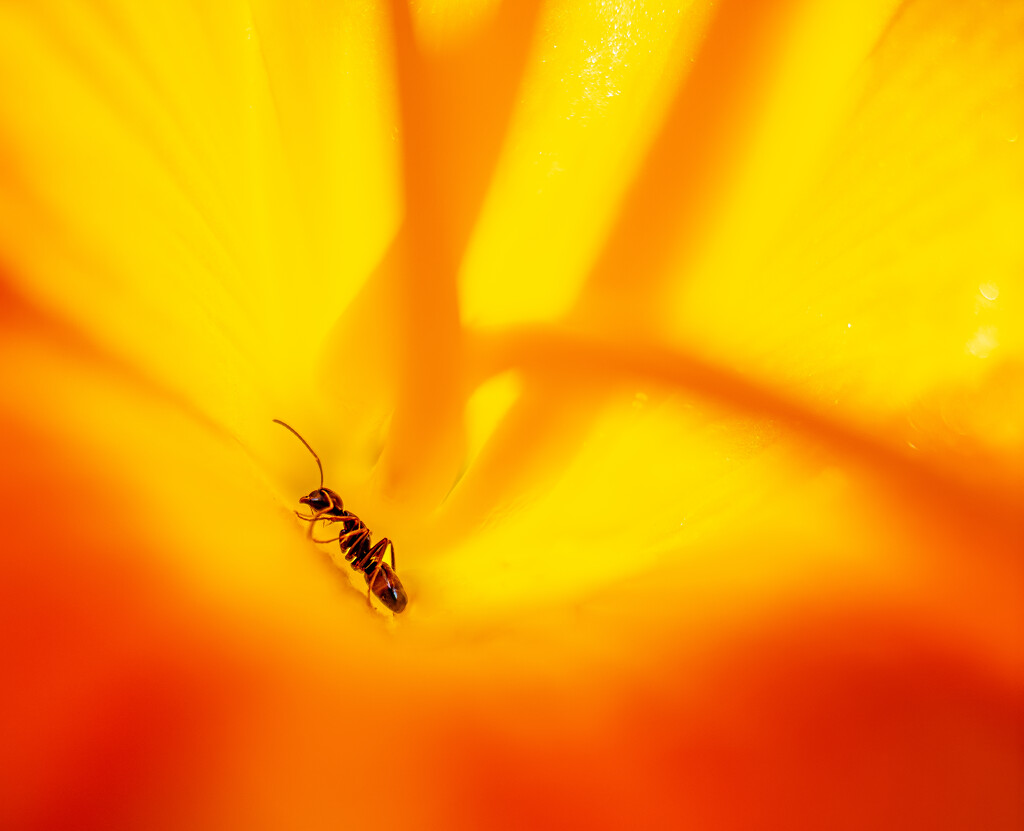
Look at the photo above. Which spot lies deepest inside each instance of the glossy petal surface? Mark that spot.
(677, 346)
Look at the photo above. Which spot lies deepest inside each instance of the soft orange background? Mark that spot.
(677, 346)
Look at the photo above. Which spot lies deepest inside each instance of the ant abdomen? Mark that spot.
(388, 589)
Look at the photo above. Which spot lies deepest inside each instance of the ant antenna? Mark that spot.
(310, 449)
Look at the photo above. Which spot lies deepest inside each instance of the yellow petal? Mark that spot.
(675, 346)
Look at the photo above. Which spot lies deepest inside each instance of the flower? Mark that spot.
(675, 346)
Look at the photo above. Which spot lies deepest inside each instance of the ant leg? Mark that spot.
(340, 539)
(377, 552)
(315, 515)
(354, 534)
(320, 517)
(312, 520)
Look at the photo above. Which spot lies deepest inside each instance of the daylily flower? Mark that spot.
(677, 347)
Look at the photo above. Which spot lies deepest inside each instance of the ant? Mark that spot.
(325, 505)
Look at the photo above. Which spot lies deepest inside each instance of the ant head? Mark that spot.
(322, 499)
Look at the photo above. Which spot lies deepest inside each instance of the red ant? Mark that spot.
(325, 505)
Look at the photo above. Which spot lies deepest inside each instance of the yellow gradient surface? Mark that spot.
(677, 347)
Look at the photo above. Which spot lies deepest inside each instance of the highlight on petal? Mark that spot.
(593, 97)
(675, 345)
(880, 260)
